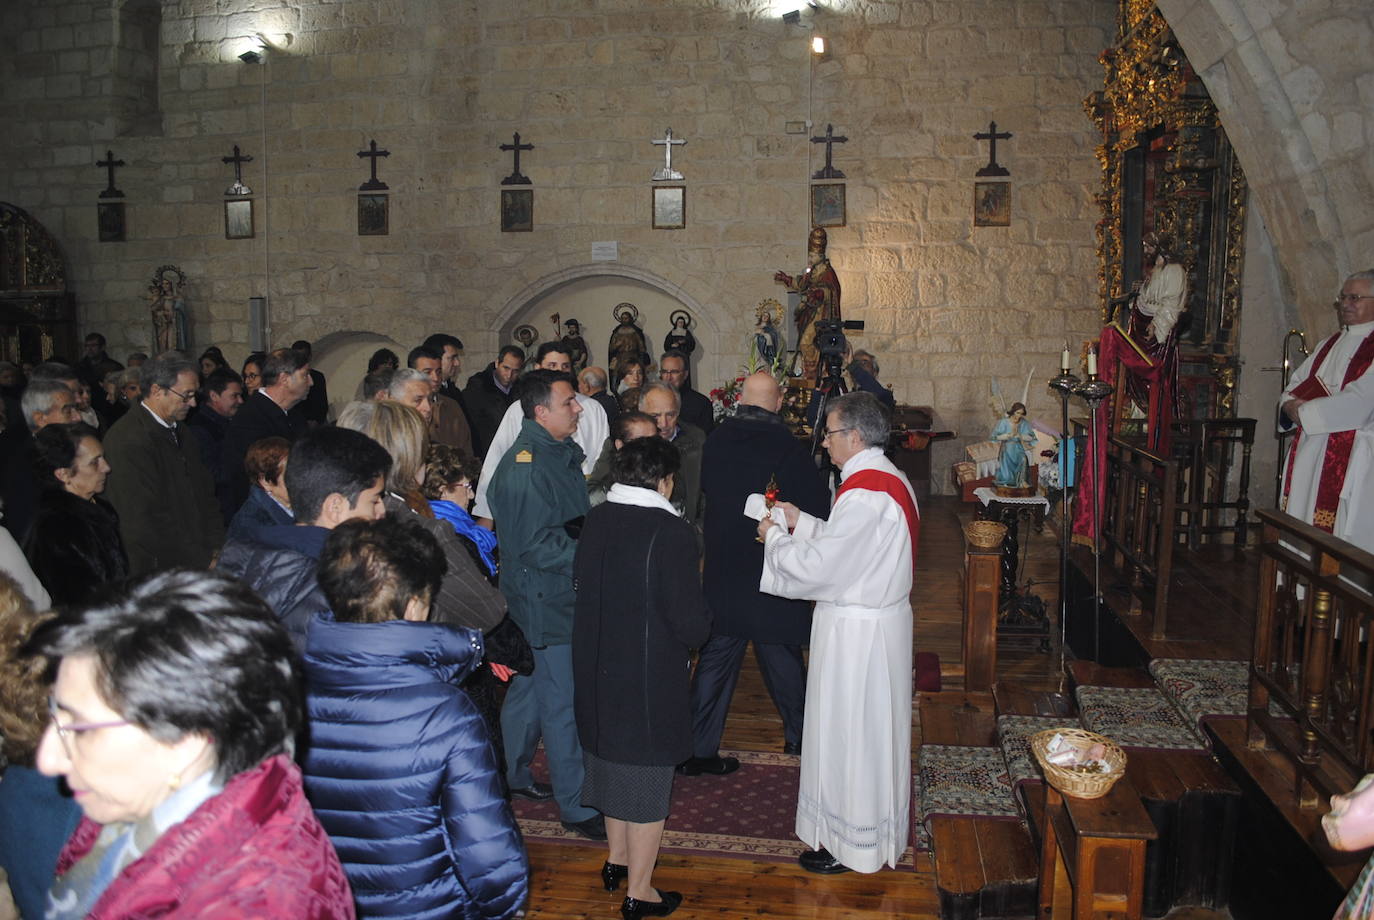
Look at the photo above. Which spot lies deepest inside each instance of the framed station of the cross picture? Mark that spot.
(110, 221)
(670, 207)
(238, 219)
(374, 214)
(827, 205)
(992, 204)
(517, 210)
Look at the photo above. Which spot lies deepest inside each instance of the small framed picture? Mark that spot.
(110, 221)
(670, 207)
(827, 205)
(238, 219)
(517, 210)
(373, 214)
(992, 204)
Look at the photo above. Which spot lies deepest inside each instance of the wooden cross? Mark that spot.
(992, 137)
(829, 172)
(668, 143)
(372, 151)
(516, 177)
(109, 163)
(238, 159)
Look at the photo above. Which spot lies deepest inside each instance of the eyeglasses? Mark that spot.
(1353, 298)
(65, 733)
(829, 431)
(185, 397)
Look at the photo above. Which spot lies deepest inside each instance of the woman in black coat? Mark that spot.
(639, 614)
(74, 545)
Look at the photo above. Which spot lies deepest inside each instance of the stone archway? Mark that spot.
(342, 358)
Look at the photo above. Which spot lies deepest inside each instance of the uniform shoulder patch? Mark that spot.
(524, 456)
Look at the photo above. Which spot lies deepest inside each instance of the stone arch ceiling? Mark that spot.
(1293, 81)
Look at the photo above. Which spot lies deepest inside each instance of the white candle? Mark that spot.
(1064, 360)
(1092, 363)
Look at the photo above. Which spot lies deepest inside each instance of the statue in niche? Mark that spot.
(819, 289)
(627, 343)
(1152, 330)
(680, 337)
(575, 346)
(171, 325)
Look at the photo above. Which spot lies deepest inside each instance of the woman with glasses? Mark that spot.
(74, 545)
(252, 373)
(174, 717)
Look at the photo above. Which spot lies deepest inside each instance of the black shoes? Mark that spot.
(535, 792)
(716, 766)
(792, 747)
(612, 873)
(821, 862)
(594, 828)
(633, 908)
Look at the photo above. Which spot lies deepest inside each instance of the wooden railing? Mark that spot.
(1312, 672)
(1209, 503)
(1138, 526)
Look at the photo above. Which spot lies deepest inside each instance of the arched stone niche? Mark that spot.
(342, 358)
(588, 294)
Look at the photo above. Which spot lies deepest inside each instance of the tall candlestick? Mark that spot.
(1092, 363)
(1064, 360)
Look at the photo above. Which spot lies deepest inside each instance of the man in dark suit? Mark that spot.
(315, 407)
(592, 382)
(265, 414)
(740, 457)
(696, 409)
(165, 497)
(489, 393)
(220, 398)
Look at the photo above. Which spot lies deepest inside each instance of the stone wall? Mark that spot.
(440, 85)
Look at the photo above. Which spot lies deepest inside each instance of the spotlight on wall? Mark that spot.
(793, 18)
(817, 44)
(250, 57)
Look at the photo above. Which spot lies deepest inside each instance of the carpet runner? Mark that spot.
(1136, 718)
(1014, 734)
(749, 814)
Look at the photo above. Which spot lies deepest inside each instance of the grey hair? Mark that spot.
(1366, 275)
(863, 413)
(357, 415)
(402, 376)
(869, 355)
(661, 386)
(38, 397)
(593, 377)
(163, 370)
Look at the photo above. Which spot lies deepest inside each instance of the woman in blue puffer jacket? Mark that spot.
(399, 766)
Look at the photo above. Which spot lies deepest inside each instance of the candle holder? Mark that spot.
(1094, 391)
(1064, 385)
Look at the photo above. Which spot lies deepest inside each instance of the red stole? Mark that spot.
(885, 482)
(1338, 443)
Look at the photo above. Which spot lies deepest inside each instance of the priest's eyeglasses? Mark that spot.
(185, 397)
(1353, 298)
(72, 730)
(829, 431)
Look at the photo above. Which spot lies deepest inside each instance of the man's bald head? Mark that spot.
(761, 390)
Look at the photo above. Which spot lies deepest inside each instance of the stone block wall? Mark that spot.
(442, 84)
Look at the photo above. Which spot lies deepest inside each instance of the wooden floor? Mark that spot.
(565, 879)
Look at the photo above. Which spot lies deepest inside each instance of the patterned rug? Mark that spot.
(1014, 734)
(957, 780)
(1136, 718)
(1207, 688)
(749, 814)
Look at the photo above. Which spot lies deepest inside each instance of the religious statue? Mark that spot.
(171, 329)
(575, 346)
(819, 289)
(1151, 338)
(1015, 438)
(627, 342)
(526, 335)
(1162, 298)
(768, 342)
(680, 337)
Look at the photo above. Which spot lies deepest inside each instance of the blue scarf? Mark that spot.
(465, 526)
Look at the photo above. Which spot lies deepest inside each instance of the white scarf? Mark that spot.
(622, 494)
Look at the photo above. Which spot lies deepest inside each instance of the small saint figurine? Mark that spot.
(680, 337)
(819, 289)
(1015, 438)
(170, 326)
(627, 342)
(768, 342)
(575, 346)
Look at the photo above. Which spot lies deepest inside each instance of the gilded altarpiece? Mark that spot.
(37, 313)
(1168, 167)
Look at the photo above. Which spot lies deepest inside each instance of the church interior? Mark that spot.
(989, 174)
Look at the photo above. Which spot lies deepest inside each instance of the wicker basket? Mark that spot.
(1069, 782)
(985, 534)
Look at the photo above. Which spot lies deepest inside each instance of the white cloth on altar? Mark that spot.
(1348, 409)
(592, 431)
(855, 792)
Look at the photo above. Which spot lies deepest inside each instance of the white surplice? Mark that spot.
(592, 431)
(855, 791)
(1351, 408)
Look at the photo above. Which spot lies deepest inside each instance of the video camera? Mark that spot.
(830, 340)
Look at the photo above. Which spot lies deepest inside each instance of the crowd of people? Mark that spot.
(260, 661)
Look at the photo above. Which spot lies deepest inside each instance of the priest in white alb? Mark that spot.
(1328, 477)
(855, 793)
